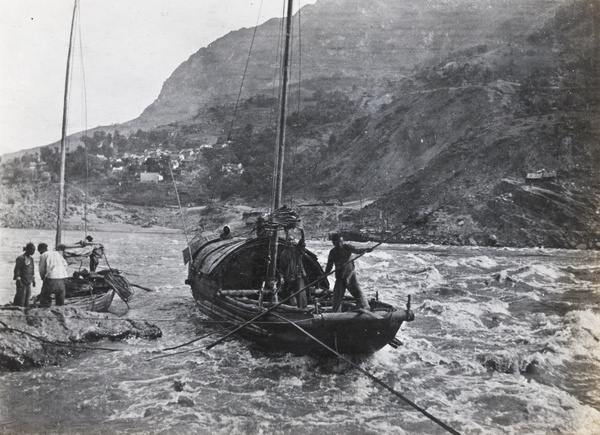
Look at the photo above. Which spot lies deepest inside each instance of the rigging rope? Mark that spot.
(85, 119)
(237, 102)
(85, 125)
(295, 142)
(278, 73)
(187, 241)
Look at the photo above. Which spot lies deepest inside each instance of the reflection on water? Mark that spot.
(504, 341)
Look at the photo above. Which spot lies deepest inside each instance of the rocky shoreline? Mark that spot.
(362, 225)
(35, 337)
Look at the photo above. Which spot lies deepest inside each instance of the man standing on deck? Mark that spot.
(293, 269)
(53, 271)
(345, 276)
(96, 254)
(24, 276)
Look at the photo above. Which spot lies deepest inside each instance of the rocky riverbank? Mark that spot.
(497, 221)
(34, 337)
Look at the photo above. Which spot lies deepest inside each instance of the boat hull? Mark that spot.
(299, 331)
(99, 303)
(96, 291)
(353, 332)
(222, 293)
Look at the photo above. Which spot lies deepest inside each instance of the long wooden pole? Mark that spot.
(63, 139)
(283, 108)
(281, 136)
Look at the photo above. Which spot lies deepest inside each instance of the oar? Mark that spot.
(142, 287)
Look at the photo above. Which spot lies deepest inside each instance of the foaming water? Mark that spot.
(504, 341)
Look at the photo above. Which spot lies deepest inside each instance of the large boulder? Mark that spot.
(33, 337)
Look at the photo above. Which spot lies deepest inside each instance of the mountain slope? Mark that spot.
(489, 119)
(349, 41)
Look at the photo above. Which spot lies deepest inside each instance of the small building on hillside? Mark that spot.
(232, 168)
(150, 177)
(540, 175)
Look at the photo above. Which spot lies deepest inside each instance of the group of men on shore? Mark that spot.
(52, 271)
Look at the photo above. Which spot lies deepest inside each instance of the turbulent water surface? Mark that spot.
(504, 341)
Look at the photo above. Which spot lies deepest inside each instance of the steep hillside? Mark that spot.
(346, 42)
(482, 121)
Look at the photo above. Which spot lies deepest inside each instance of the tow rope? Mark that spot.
(372, 377)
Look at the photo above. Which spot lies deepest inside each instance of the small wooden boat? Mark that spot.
(227, 282)
(95, 291)
(99, 303)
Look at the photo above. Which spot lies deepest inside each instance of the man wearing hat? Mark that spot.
(226, 234)
(24, 276)
(96, 254)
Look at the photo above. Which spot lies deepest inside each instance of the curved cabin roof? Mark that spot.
(241, 262)
(212, 254)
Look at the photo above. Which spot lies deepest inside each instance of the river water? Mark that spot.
(505, 341)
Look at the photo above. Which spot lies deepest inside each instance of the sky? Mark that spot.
(123, 53)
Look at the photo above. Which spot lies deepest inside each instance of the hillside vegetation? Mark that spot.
(435, 105)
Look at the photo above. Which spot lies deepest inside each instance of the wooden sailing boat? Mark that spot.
(87, 290)
(235, 282)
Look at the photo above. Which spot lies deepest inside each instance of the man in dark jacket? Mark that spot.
(345, 276)
(24, 276)
(292, 269)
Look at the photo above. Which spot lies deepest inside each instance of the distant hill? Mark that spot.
(344, 43)
(416, 104)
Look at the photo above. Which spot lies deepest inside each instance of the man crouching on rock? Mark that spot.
(53, 271)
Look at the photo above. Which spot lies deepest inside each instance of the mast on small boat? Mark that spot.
(280, 150)
(63, 139)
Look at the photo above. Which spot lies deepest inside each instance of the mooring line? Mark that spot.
(57, 343)
(189, 342)
(132, 319)
(187, 241)
(172, 354)
(372, 377)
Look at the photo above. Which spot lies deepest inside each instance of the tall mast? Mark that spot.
(63, 139)
(282, 108)
(281, 136)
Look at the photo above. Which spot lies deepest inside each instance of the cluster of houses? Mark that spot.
(184, 160)
(150, 166)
